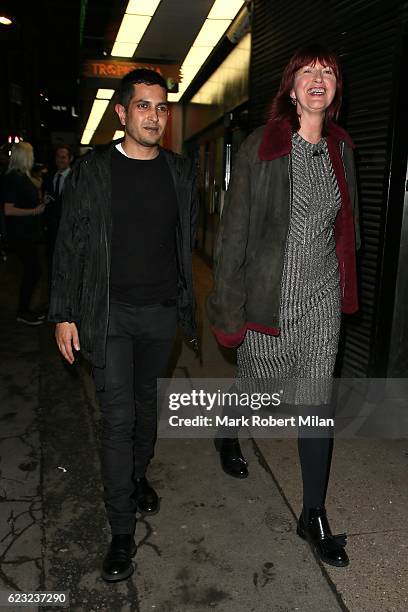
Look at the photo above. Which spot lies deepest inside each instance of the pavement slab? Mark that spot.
(367, 498)
(206, 547)
(21, 528)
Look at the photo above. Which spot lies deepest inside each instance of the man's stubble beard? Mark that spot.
(141, 141)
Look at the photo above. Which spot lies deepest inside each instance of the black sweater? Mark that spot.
(144, 215)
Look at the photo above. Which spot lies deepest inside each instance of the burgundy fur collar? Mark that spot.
(277, 141)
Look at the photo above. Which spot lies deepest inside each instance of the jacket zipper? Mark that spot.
(342, 158)
(107, 282)
(343, 288)
(287, 233)
(179, 229)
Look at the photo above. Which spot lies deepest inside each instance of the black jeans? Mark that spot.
(27, 253)
(139, 345)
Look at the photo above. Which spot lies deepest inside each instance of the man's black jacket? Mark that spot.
(81, 267)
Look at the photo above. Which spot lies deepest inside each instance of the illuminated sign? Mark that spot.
(116, 69)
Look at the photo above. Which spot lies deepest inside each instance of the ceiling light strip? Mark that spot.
(221, 15)
(118, 134)
(135, 21)
(134, 24)
(97, 111)
(5, 20)
(105, 94)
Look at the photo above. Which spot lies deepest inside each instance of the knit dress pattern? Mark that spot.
(310, 310)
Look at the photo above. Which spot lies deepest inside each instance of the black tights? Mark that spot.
(315, 459)
(315, 446)
(315, 456)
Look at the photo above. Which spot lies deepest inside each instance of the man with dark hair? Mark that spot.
(141, 76)
(122, 281)
(53, 198)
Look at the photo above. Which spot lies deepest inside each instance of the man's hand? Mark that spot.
(66, 335)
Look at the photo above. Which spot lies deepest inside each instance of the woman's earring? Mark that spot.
(294, 101)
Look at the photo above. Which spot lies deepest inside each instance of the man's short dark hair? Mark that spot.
(63, 146)
(140, 75)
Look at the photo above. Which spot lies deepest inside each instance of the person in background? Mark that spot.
(53, 199)
(22, 207)
(4, 162)
(38, 174)
(286, 269)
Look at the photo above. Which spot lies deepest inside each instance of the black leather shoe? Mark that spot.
(232, 460)
(314, 527)
(147, 501)
(117, 564)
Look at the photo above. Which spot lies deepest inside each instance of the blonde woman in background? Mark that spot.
(22, 207)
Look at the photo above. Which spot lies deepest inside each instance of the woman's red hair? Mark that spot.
(282, 108)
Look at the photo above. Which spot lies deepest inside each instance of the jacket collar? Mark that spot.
(105, 150)
(101, 154)
(277, 139)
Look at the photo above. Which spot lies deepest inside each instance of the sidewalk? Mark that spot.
(217, 543)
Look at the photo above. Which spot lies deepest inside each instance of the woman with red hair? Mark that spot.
(285, 266)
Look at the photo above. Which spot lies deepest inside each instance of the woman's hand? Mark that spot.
(38, 210)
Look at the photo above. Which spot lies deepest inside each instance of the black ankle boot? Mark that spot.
(314, 527)
(232, 461)
(117, 564)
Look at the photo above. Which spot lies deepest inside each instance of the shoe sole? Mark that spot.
(123, 575)
(304, 537)
(151, 513)
(233, 475)
(118, 577)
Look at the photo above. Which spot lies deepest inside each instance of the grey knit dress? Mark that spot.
(310, 294)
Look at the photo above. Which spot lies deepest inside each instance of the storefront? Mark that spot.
(215, 124)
